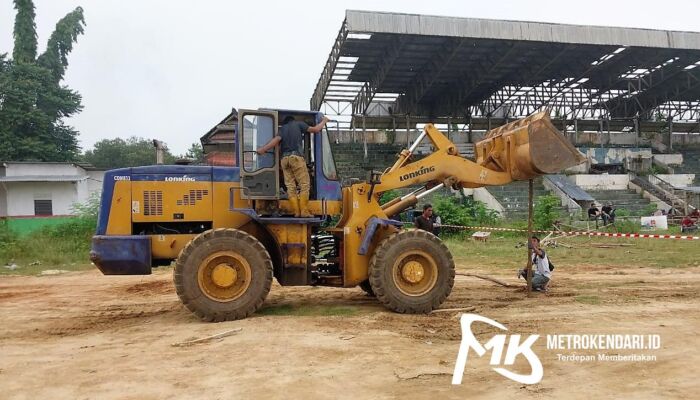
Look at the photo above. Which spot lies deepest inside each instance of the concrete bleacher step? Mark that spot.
(514, 197)
(351, 162)
(465, 149)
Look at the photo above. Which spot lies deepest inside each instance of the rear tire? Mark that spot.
(223, 274)
(412, 272)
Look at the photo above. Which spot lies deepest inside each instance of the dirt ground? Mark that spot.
(82, 335)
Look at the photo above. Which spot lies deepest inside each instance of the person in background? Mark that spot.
(688, 225)
(541, 274)
(593, 214)
(424, 221)
(695, 215)
(608, 214)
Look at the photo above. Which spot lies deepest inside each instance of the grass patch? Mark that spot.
(306, 310)
(588, 299)
(64, 246)
(501, 253)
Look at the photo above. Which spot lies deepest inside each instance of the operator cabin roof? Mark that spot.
(446, 66)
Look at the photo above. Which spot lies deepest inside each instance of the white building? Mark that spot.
(29, 189)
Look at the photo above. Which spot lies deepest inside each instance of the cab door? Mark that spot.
(259, 173)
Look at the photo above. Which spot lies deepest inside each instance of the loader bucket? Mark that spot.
(527, 148)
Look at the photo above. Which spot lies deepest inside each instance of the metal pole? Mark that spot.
(408, 122)
(670, 133)
(529, 235)
(469, 138)
(449, 128)
(364, 136)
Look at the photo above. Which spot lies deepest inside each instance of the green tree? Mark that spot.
(196, 153)
(462, 211)
(546, 212)
(119, 153)
(388, 196)
(33, 103)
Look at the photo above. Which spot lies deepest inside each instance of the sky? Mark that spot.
(171, 70)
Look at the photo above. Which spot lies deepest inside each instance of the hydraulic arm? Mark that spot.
(520, 150)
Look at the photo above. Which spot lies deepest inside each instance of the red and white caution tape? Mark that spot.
(489, 228)
(578, 233)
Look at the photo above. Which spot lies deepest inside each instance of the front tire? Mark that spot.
(412, 272)
(223, 274)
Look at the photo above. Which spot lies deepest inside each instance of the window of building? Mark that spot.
(43, 207)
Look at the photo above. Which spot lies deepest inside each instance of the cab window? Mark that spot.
(328, 162)
(257, 130)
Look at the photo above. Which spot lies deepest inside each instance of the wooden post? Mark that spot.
(529, 235)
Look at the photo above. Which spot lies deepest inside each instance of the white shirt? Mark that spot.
(541, 264)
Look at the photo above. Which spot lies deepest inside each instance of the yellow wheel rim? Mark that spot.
(415, 273)
(224, 276)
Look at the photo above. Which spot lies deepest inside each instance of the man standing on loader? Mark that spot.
(296, 175)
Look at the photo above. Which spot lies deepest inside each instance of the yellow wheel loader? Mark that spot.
(231, 230)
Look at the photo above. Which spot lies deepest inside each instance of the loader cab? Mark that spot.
(261, 177)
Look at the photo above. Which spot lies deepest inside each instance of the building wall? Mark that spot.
(686, 139)
(25, 226)
(601, 182)
(94, 181)
(3, 200)
(17, 198)
(680, 180)
(613, 155)
(43, 169)
(21, 196)
(670, 159)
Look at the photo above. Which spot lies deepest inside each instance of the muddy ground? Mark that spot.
(82, 335)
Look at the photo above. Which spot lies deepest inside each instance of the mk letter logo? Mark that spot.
(496, 344)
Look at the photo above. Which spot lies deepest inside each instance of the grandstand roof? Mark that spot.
(388, 64)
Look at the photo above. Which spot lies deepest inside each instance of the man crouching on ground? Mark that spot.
(540, 264)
